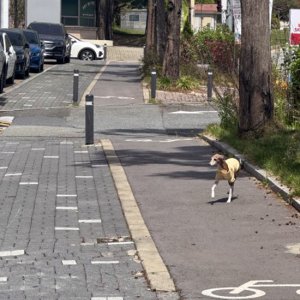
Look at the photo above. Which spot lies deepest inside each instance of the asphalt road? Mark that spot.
(205, 243)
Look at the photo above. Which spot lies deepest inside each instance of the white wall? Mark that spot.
(43, 11)
(4, 20)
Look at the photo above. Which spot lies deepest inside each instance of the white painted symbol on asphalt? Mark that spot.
(248, 287)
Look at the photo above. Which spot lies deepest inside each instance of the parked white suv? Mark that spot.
(11, 57)
(85, 50)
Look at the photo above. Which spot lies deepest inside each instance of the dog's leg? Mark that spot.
(213, 189)
(230, 192)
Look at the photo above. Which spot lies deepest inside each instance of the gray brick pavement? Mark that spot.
(65, 187)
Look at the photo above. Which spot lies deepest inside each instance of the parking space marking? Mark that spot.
(12, 253)
(69, 262)
(119, 243)
(67, 228)
(107, 298)
(51, 156)
(28, 183)
(13, 174)
(95, 221)
(3, 279)
(84, 151)
(84, 176)
(66, 195)
(105, 262)
(3, 168)
(67, 208)
(38, 149)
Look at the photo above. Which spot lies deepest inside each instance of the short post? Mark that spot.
(89, 119)
(75, 86)
(153, 84)
(209, 85)
(105, 52)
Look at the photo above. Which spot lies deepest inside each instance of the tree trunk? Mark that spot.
(171, 58)
(101, 19)
(256, 99)
(150, 28)
(109, 19)
(161, 29)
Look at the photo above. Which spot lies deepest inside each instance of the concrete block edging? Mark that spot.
(258, 173)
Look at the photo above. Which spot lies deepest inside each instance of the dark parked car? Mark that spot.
(55, 39)
(21, 46)
(37, 50)
(2, 69)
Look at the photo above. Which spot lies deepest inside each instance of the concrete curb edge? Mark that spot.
(156, 271)
(260, 174)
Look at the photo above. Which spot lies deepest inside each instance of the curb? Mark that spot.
(156, 271)
(260, 174)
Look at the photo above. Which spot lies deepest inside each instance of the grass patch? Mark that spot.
(277, 152)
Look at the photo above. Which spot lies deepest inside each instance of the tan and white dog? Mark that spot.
(227, 170)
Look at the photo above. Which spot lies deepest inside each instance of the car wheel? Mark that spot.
(87, 54)
(27, 72)
(61, 60)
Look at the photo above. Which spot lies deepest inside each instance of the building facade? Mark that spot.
(79, 16)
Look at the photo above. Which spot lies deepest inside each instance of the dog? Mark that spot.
(227, 170)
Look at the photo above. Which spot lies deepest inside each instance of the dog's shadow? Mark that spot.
(222, 200)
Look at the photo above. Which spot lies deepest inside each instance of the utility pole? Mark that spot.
(4, 16)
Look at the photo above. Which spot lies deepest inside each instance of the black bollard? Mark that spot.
(153, 84)
(105, 52)
(209, 85)
(89, 119)
(75, 86)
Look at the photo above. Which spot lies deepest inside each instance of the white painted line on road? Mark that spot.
(13, 174)
(105, 262)
(67, 228)
(66, 207)
(38, 149)
(199, 112)
(51, 156)
(92, 221)
(26, 97)
(119, 243)
(3, 279)
(84, 151)
(139, 140)
(12, 253)
(66, 195)
(69, 262)
(8, 152)
(3, 168)
(84, 176)
(28, 105)
(29, 183)
(66, 143)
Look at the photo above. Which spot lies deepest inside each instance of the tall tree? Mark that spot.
(172, 53)
(104, 19)
(256, 100)
(151, 28)
(160, 29)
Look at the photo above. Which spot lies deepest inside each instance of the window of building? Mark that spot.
(78, 12)
(134, 18)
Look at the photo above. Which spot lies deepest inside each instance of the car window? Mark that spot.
(51, 29)
(31, 37)
(16, 38)
(1, 40)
